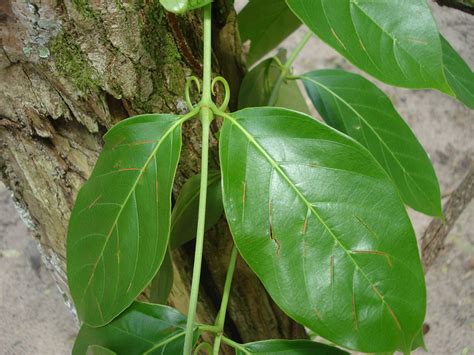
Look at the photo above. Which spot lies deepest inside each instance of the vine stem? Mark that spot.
(286, 69)
(225, 301)
(235, 345)
(206, 118)
(225, 340)
(208, 328)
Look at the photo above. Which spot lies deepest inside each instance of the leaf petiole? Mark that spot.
(235, 345)
(225, 300)
(294, 77)
(286, 69)
(208, 328)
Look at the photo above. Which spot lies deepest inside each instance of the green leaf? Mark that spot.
(323, 227)
(163, 281)
(396, 41)
(419, 341)
(119, 227)
(355, 106)
(185, 212)
(290, 347)
(258, 84)
(142, 329)
(266, 23)
(98, 350)
(459, 75)
(181, 6)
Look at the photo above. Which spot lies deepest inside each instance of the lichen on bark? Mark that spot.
(72, 62)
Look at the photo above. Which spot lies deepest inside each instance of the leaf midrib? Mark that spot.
(461, 83)
(397, 43)
(361, 117)
(153, 345)
(165, 342)
(309, 206)
(119, 213)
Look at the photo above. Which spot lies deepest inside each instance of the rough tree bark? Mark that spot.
(463, 5)
(69, 70)
(432, 241)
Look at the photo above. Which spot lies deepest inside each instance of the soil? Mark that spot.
(35, 320)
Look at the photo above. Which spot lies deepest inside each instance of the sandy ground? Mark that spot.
(34, 319)
(33, 316)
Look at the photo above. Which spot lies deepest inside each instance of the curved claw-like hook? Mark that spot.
(220, 79)
(203, 346)
(187, 96)
(278, 62)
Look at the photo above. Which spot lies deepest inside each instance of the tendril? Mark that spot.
(278, 62)
(189, 81)
(203, 346)
(220, 79)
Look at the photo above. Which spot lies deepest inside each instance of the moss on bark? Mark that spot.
(72, 63)
(156, 37)
(160, 44)
(83, 7)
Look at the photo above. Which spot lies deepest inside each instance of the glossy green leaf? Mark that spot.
(323, 227)
(181, 6)
(289, 347)
(185, 212)
(459, 75)
(98, 350)
(355, 106)
(266, 23)
(419, 341)
(163, 281)
(258, 84)
(119, 227)
(142, 329)
(396, 41)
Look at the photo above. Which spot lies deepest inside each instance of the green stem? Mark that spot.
(208, 328)
(206, 118)
(225, 301)
(207, 61)
(234, 344)
(294, 77)
(286, 69)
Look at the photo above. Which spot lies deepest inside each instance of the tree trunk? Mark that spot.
(463, 5)
(435, 235)
(70, 70)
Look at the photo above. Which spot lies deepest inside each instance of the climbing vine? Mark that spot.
(317, 210)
